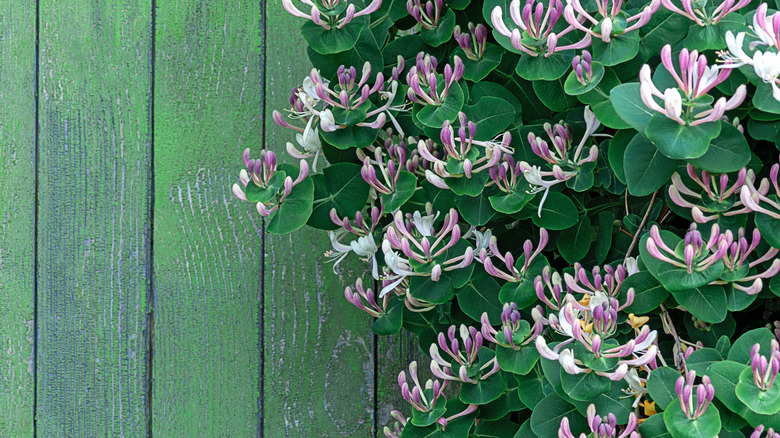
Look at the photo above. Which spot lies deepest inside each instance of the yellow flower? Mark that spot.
(637, 321)
(649, 408)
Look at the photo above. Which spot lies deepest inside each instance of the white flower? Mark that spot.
(673, 103)
(767, 67)
(424, 224)
(327, 121)
(737, 55)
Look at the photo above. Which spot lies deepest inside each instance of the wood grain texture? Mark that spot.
(394, 354)
(207, 244)
(93, 217)
(319, 368)
(17, 221)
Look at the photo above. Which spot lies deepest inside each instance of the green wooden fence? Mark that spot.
(137, 296)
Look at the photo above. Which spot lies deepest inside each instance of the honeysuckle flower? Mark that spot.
(416, 396)
(428, 15)
(261, 173)
(534, 32)
(398, 425)
(552, 281)
(511, 323)
(722, 198)
(765, 369)
(697, 12)
(473, 43)
(582, 65)
(757, 433)
(756, 199)
(460, 361)
(606, 280)
(534, 175)
(309, 141)
(696, 78)
(736, 257)
(461, 149)
(390, 160)
(705, 392)
(604, 28)
(696, 256)
(512, 274)
(422, 79)
(766, 64)
(560, 136)
(637, 386)
(323, 14)
(418, 240)
(364, 243)
(601, 426)
(365, 299)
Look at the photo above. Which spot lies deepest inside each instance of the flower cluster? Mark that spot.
(718, 199)
(601, 426)
(765, 369)
(705, 392)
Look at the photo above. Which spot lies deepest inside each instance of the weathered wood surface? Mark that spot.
(17, 216)
(207, 244)
(93, 217)
(319, 352)
(163, 309)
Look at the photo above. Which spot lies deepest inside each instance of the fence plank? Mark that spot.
(319, 367)
(93, 217)
(394, 354)
(17, 211)
(207, 244)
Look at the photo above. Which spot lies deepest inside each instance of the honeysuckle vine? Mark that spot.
(573, 207)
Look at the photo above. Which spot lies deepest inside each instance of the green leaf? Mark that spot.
(768, 226)
(724, 376)
(702, 358)
(296, 208)
(736, 299)
(729, 152)
(680, 142)
(522, 293)
(494, 429)
(740, 350)
(435, 115)
(510, 203)
(761, 402)
(365, 50)
(491, 116)
(552, 94)
(558, 212)
(484, 391)
(404, 189)
(713, 37)
(333, 40)
(350, 137)
(663, 28)
(679, 426)
(707, 302)
(574, 243)
(616, 152)
(764, 100)
(457, 428)
(341, 187)
(442, 32)
(423, 288)
(547, 414)
(606, 220)
(423, 419)
(601, 103)
(541, 68)
(532, 386)
(649, 293)
(255, 193)
(661, 386)
(613, 401)
(520, 361)
(677, 279)
(646, 168)
(629, 106)
(573, 87)
(621, 48)
(584, 386)
(654, 427)
(468, 186)
(476, 71)
(390, 323)
(480, 295)
(475, 210)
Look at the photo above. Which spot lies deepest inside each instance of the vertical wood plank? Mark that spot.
(17, 221)
(207, 244)
(93, 217)
(394, 354)
(319, 352)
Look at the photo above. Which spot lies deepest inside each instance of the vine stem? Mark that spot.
(679, 358)
(641, 225)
